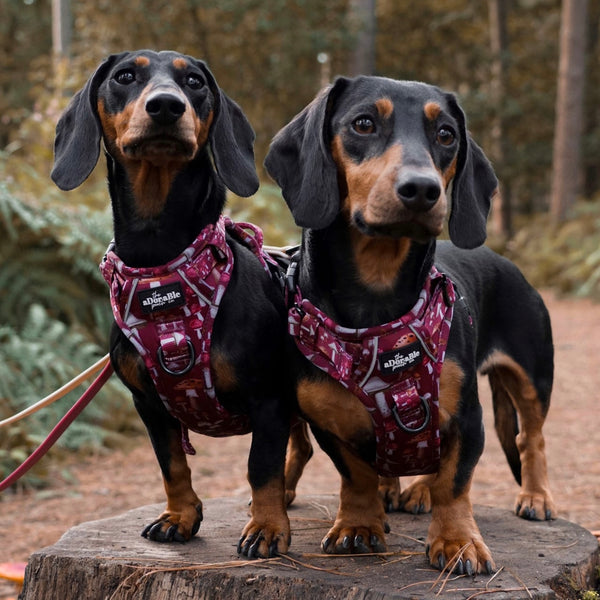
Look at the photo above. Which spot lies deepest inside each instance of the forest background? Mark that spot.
(501, 57)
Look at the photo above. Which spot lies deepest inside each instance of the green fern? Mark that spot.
(56, 319)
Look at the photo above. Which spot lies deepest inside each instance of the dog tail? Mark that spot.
(505, 418)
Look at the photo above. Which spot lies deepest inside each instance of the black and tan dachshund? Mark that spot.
(173, 142)
(366, 169)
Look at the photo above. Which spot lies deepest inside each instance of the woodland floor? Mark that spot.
(105, 485)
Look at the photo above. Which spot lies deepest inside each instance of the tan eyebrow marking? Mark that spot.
(385, 107)
(432, 110)
(180, 63)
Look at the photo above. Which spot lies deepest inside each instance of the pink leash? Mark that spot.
(60, 427)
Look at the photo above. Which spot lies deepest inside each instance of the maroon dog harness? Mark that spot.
(394, 369)
(167, 312)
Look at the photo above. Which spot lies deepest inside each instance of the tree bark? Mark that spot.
(363, 23)
(569, 108)
(502, 211)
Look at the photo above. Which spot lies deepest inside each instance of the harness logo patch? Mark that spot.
(161, 298)
(400, 359)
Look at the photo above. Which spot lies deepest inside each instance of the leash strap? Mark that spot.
(60, 428)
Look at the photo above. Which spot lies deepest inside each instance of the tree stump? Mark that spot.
(108, 560)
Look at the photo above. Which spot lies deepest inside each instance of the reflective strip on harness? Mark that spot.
(167, 313)
(394, 369)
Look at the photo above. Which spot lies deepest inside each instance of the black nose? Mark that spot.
(165, 107)
(419, 193)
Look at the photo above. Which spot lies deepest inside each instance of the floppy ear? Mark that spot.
(473, 187)
(231, 141)
(300, 161)
(78, 133)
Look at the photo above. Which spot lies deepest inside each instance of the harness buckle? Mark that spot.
(291, 275)
(413, 430)
(448, 300)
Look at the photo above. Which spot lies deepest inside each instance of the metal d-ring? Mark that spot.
(183, 371)
(421, 427)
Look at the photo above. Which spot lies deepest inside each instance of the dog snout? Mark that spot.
(165, 107)
(418, 192)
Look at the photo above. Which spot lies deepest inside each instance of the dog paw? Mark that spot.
(290, 496)
(175, 526)
(342, 539)
(535, 506)
(416, 499)
(389, 492)
(461, 556)
(264, 540)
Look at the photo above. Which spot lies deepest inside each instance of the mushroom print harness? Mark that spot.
(393, 369)
(167, 313)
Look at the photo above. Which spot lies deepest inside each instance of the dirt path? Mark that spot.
(103, 486)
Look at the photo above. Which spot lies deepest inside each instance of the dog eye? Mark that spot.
(363, 125)
(194, 82)
(445, 136)
(125, 77)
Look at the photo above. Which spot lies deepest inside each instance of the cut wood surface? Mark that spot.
(108, 560)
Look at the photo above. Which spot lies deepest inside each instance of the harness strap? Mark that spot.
(393, 369)
(168, 313)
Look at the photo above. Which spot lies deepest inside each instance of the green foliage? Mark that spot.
(267, 209)
(564, 257)
(264, 55)
(56, 319)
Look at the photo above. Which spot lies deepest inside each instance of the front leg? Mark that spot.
(360, 523)
(183, 514)
(454, 540)
(344, 430)
(267, 534)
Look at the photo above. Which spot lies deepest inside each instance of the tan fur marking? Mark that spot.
(203, 128)
(509, 380)
(385, 107)
(432, 110)
(225, 378)
(333, 408)
(142, 61)
(361, 510)
(180, 63)
(451, 379)
(269, 517)
(298, 454)
(181, 498)
(129, 368)
(378, 260)
(152, 169)
(453, 527)
(371, 190)
(453, 532)
(449, 173)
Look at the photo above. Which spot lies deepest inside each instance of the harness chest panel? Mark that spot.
(168, 312)
(394, 369)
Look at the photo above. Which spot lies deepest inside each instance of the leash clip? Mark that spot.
(186, 368)
(413, 430)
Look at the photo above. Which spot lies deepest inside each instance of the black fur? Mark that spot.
(498, 312)
(249, 330)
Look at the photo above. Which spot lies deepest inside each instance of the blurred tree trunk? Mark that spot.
(502, 210)
(569, 108)
(591, 172)
(362, 19)
(62, 33)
